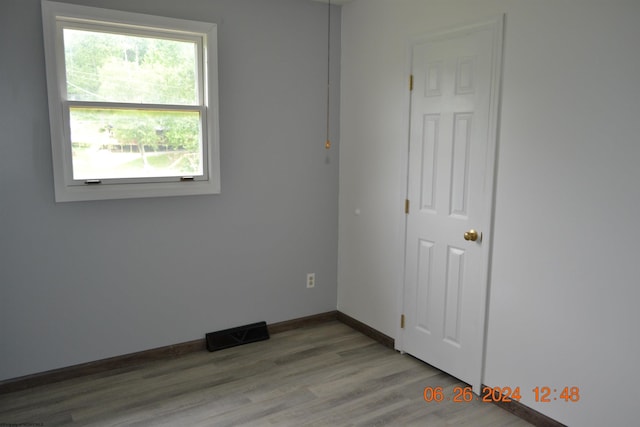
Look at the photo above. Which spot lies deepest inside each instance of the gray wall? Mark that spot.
(88, 280)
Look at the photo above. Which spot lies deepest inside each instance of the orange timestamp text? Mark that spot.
(501, 394)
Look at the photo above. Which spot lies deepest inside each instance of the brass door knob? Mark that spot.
(471, 235)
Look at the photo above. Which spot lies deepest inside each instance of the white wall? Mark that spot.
(565, 287)
(89, 280)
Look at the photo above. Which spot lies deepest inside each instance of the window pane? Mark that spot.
(124, 68)
(111, 143)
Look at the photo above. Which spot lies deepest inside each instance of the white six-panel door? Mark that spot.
(452, 151)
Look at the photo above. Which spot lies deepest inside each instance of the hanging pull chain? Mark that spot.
(327, 144)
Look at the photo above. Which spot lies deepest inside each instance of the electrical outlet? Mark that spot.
(311, 280)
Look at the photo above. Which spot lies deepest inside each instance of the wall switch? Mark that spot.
(311, 280)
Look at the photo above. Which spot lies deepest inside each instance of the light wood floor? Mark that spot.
(326, 375)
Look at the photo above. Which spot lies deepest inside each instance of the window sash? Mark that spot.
(200, 41)
(68, 148)
(135, 30)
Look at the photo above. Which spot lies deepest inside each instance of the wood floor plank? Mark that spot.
(321, 375)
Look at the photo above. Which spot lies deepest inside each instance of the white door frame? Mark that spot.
(496, 23)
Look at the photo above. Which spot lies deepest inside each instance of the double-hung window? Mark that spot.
(133, 104)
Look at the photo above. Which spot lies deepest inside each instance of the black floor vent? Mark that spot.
(237, 336)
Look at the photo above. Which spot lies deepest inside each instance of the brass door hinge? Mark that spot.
(406, 206)
(410, 82)
(402, 321)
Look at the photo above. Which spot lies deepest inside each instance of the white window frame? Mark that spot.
(54, 17)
